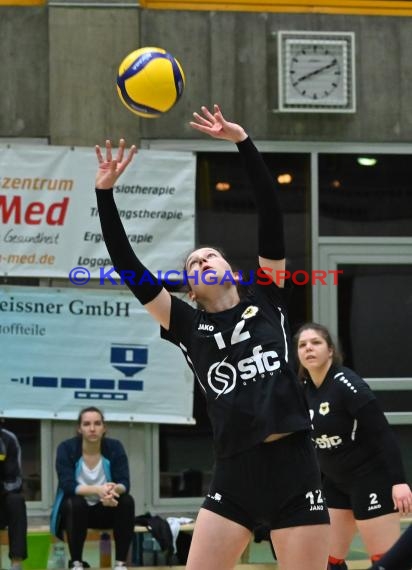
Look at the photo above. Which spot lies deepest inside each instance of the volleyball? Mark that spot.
(150, 81)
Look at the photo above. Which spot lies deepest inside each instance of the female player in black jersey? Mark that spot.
(364, 480)
(239, 350)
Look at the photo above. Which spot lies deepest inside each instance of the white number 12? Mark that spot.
(237, 335)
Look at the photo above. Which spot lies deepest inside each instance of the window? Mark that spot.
(374, 312)
(365, 195)
(226, 214)
(27, 431)
(403, 434)
(186, 454)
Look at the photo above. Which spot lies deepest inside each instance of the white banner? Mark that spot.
(64, 349)
(48, 214)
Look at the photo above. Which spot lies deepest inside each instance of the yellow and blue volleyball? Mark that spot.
(150, 81)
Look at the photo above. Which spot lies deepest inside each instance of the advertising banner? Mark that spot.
(65, 349)
(48, 215)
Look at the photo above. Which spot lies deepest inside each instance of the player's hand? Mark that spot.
(104, 490)
(111, 168)
(402, 498)
(216, 125)
(109, 502)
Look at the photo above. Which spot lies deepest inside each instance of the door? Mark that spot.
(370, 311)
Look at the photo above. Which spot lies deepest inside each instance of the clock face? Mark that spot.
(316, 71)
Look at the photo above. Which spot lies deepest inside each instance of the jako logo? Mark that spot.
(222, 376)
(203, 327)
(216, 497)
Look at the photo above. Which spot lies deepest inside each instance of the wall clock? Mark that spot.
(316, 72)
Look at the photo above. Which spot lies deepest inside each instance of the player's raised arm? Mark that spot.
(137, 277)
(271, 245)
(111, 168)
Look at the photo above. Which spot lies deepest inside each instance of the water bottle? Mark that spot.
(51, 562)
(59, 555)
(105, 550)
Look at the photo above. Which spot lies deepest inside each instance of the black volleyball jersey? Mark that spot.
(241, 358)
(334, 408)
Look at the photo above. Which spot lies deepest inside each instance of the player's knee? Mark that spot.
(126, 503)
(15, 501)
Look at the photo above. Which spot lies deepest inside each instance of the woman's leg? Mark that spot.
(300, 520)
(123, 526)
(217, 542)
(120, 519)
(399, 557)
(302, 547)
(380, 533)
(75, 523)
(16, 516)
(342, 522)
(342, 531)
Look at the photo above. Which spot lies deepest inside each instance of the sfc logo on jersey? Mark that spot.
(221, 377)
(251, 311)
(324, 408)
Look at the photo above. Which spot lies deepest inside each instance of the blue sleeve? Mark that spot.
(119, 465)
(65, 468)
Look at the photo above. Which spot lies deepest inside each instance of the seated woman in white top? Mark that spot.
(93, 489)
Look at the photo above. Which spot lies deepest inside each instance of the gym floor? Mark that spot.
(259, 556)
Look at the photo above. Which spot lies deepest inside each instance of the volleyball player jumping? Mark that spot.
(239, 350)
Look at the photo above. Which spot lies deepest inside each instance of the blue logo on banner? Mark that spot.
(127, 358)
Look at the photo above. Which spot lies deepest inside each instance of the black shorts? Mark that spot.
(368, 496)
(277, 484)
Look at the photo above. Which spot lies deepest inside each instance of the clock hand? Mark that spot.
(316, 71)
